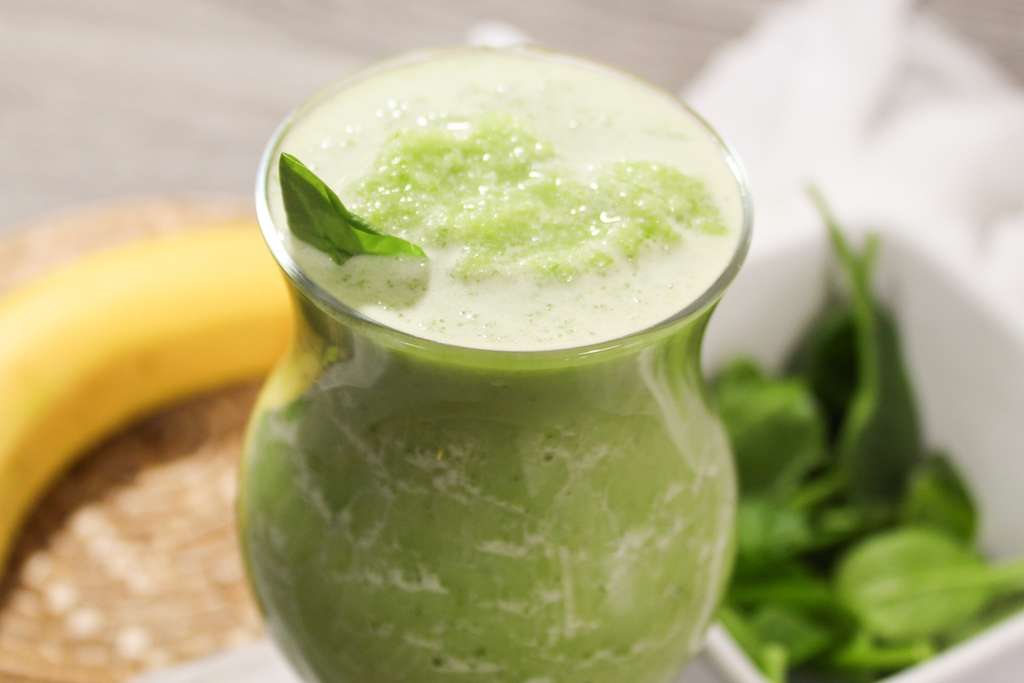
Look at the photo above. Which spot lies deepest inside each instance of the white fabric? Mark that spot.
(901, 123)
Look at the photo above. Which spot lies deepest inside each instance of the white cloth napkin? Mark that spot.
(901, 124)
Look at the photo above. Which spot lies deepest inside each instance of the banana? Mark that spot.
(88, 347)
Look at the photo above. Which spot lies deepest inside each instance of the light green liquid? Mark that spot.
(413, 512)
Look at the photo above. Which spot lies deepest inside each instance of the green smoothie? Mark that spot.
(497, 463)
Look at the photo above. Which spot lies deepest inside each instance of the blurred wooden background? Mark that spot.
(111, 98)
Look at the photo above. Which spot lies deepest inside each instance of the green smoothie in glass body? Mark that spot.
(497, 463)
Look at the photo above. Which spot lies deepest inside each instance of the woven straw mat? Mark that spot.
(129, 562)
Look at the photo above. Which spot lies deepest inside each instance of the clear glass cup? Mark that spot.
(412, 511)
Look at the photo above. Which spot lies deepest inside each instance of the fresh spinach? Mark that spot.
(791, 585)
(776, 428)
(919, 583)
(997, 611)
(826, 358)
(879, 438)
(846, 523)
(855, 552)
(768, 534)
(865, 654)
(937, 497)
(779, 637)
(771, 658)
(880, 581)
(802, 636)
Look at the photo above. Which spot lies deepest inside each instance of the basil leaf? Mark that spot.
(775, 426)
(937, 497)
(317, 216)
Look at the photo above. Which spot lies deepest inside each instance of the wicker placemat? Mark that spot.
(130, 562)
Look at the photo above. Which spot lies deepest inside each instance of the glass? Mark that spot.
(412, 511)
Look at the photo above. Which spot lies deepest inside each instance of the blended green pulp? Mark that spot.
(435, 515)
(513, 206)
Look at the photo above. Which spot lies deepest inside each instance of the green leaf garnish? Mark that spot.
(317, 216)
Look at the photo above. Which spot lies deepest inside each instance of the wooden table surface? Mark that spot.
(104, 99)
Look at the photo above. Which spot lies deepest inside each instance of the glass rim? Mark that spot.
(272, 233)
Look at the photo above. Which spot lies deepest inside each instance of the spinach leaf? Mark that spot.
(865, 654)
(937, 497)
(826, 359)
(778, 637)
(739, 370)
(775, 426)
(317, 216)
(859, 562)
(768, 534)
(802, 636)
(795, 589)
(917, 582)
(789, 585)
(998, 611)
(770, 658)
(774, 662)
(842, 524)
(879, 439)
(819, 490)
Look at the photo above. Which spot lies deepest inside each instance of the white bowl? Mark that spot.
(966, 360)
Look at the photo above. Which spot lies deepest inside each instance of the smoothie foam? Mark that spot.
(560, 204)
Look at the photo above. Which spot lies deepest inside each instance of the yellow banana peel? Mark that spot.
(88, 347)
